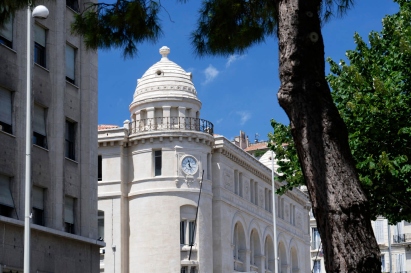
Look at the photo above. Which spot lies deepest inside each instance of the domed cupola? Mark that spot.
(165, 98)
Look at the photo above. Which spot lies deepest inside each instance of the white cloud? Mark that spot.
(233, 58)
(244, 116)
(210, 73)
(219, 121)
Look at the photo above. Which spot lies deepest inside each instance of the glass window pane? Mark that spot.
(38, 198)
(40, 35)
(5, 106)
(70, 62)
(69, 210)
(39, 122)
(7, 30)
(5, 193)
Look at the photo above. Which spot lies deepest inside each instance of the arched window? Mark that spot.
(255, 251)
(269, 254)
(239, 247)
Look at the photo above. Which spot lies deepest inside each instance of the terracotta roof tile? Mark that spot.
(257, 146)
(106, 127)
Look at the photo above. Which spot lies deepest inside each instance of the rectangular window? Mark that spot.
(382, 263)
(400, 263)
(69, 214)
(193, 270)
(6, 199)
(182, 232)
(5, 111)
(240, 184)
(184, 269)
(39, 126)
(70, 64)
(256, 193)
(38, 206)
(191, 232)
(235, 181)
(316, 240)
(73, 4)
(100, 168)
(317, 266)
(40, 45)
(379, 231)
(157, 162)
(251, 191)
(70, 140)
(6, 33)
(100, 223)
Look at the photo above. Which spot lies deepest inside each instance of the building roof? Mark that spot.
(257, 146)
(165, 79)
(106, 127)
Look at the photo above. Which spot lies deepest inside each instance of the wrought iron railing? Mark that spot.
(171, 124)
(402, 238)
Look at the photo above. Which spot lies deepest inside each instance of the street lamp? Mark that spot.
(40, 12)
(274, 214)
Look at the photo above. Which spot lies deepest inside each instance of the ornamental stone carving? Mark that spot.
(228, 180)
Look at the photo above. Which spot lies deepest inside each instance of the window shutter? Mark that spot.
(70, 62)
(5, 193)
(379, 231)
(69, 210)
(38, 198)
(40, 35)
(7, 30)
(5, 106)
(39, 123)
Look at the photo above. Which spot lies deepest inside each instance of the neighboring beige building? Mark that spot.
(64, 153)
(150, 173)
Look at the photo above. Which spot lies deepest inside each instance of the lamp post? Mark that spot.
(274, 214)
(40, 12)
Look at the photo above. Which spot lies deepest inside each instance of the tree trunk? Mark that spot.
(339, 204)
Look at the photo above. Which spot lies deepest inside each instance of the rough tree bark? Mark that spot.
(321, 138)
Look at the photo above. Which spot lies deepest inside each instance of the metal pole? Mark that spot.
(195, 220)
(389, 246)
(27, 194)
(274, 214)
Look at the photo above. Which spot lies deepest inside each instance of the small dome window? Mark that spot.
(159, 72)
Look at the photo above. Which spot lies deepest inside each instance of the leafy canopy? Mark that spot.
(372, 94)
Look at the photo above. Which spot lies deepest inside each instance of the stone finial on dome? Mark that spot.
(164, 51)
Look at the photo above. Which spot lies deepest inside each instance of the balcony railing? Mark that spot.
(402, 238)
(171, 124)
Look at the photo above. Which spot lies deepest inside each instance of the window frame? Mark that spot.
(158, 162)
(74, 56)
(40, 138)
(70, 140)
(40, 51)
(3, 39)
(73, 5)
(5, 126)
(38, 211)
(69, 226)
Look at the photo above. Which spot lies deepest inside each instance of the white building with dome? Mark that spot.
(175, 197)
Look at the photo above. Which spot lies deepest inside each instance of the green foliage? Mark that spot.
(373, 96)
(123, 24)
(9, 7)
(224, 26)
(289, 169)
(231, 26)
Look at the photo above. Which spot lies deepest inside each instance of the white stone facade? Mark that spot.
(64, 166)
(150, 203)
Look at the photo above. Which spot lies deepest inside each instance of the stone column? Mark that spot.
(247, 259)
(166, 117)
(261, 267)
(137, 121)
(181, 116)
(150, 124)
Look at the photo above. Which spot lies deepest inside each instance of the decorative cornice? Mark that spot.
(167, 87)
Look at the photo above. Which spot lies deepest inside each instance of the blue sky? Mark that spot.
(237, 92)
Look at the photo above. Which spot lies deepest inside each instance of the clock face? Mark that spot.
(189, 165)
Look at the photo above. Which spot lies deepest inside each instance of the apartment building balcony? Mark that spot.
(402, 238)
